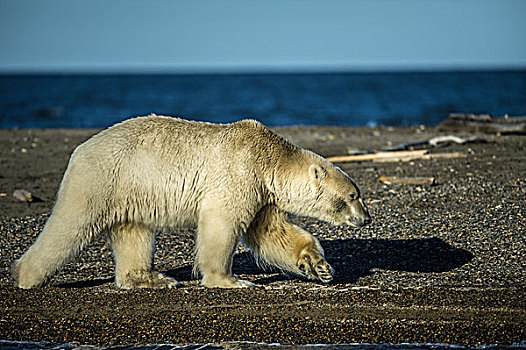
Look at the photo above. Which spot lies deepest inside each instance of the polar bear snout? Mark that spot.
(360, 214)
(360, 222)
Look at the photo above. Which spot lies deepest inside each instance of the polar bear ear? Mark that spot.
(317, 172)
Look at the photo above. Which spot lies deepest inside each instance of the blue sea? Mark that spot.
(340, 99)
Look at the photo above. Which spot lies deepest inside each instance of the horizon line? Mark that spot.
(257, 68)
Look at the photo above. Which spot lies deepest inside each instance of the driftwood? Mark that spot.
(374, 156)
(429, 156)
(393, 180)
(405, 152)
(397, 156)
(437, 142)
(485, 123)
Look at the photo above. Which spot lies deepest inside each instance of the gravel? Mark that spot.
(440, 264)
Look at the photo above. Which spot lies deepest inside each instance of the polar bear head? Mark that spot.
(315, 187)
(337, 199)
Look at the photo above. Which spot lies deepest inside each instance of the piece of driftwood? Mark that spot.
(396, 156)
(450, 155)
(429, 156)
(437, 141)
(394, 180)
(485, 123)
(374, 156)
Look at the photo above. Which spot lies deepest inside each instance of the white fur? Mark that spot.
(233, 181)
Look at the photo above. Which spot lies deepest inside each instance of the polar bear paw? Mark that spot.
(312, 265)
(146, 279)
(225, 282)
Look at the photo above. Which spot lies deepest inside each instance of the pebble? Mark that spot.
(23, 195)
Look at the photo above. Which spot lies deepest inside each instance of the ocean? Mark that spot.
(339, 99)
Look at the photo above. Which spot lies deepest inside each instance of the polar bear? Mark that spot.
(236, 182)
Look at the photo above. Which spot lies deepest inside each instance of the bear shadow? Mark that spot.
(353, 259)
(244, 263)
(85, 284)
(356, 258)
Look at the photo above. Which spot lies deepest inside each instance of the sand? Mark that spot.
(439, 264)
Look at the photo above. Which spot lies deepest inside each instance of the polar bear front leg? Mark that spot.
(216, 242)
(274, 238)
(133, 248)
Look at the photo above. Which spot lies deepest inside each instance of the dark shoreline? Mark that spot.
(440, 264)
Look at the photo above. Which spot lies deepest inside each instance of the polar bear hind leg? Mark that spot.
(63, 237)
(277, 241)
(133, 248)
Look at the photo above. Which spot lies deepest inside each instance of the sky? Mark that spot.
(263, 35)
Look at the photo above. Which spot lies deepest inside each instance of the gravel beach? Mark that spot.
(439, 264)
